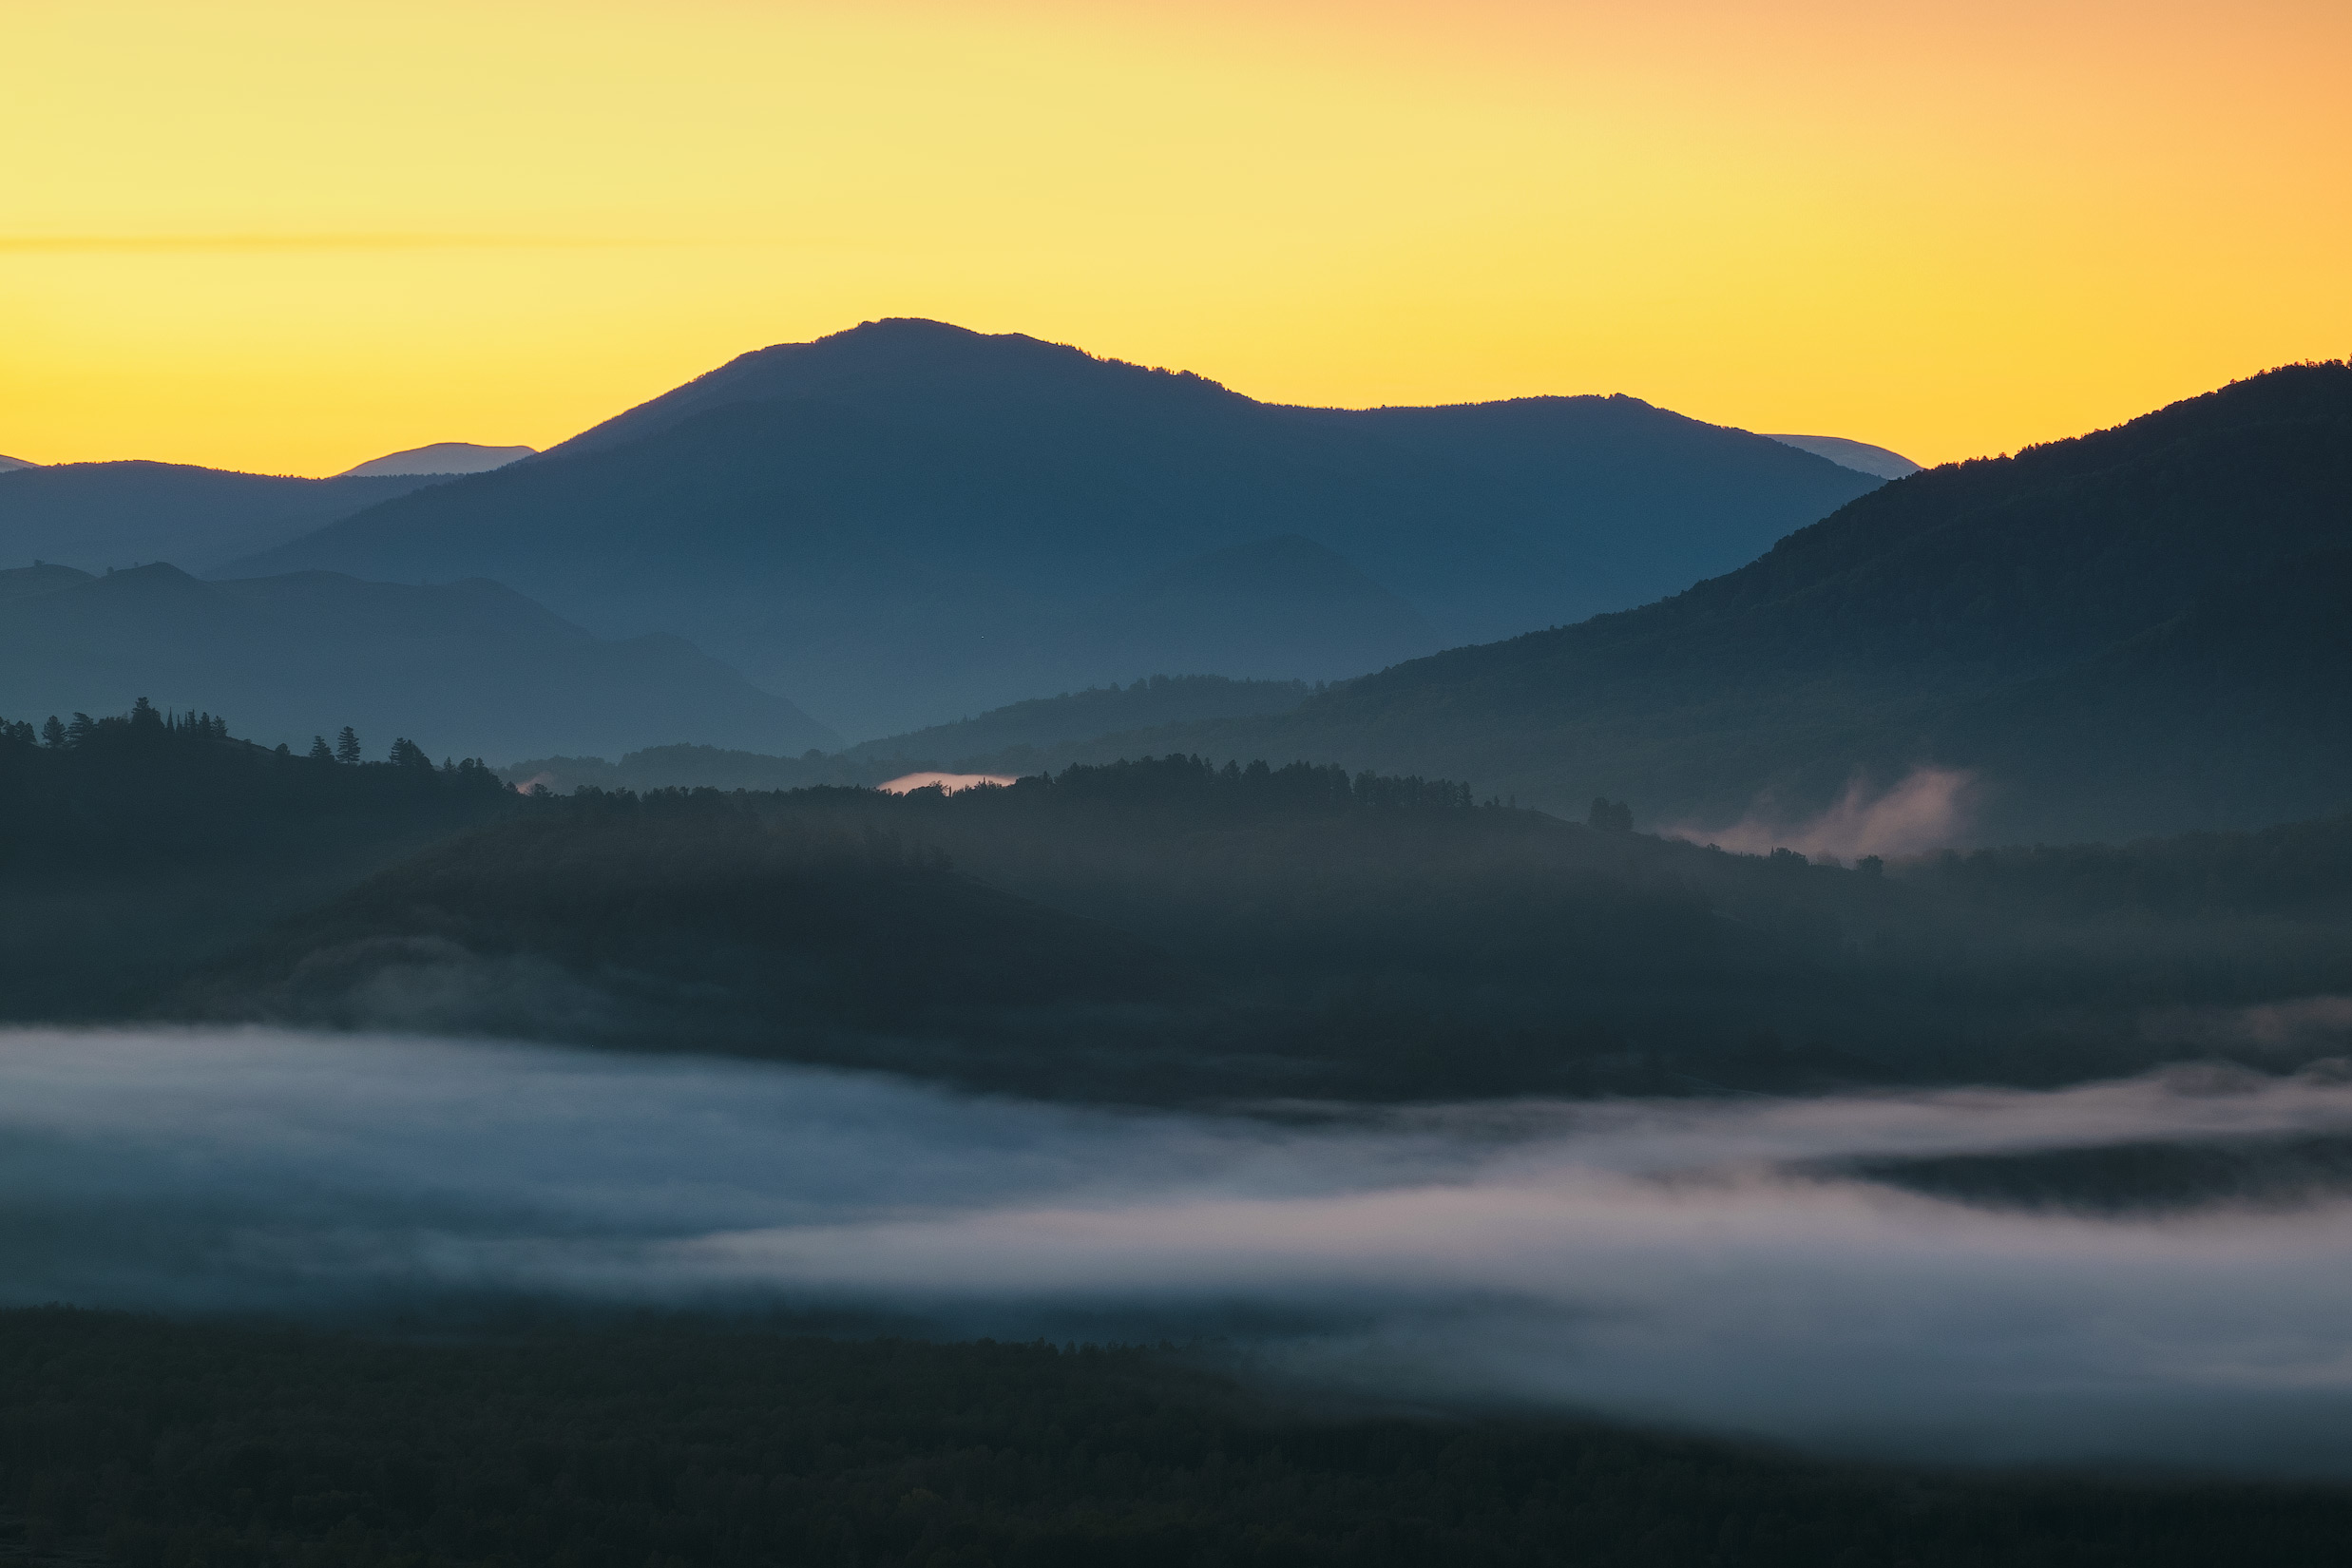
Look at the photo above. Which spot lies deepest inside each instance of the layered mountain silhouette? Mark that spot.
(469, 668)
(1047, 721)
(1858, 455)
(908, 520)
(2140, 630)
(9, 463)
(96, 515)
(439, 458)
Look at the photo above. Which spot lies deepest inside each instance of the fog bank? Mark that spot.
(1702, 1263)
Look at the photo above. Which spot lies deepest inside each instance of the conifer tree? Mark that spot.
(347, 745)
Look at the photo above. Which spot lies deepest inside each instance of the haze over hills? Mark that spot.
(1018, 738)
(441, 457)
(7, 464)
(469, 668)
(2139, 630)
(908, 520)
(96, 515)
(1858, 455)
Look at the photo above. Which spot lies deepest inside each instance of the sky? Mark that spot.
(286, 237)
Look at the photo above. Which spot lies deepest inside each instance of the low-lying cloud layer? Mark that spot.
(1702, 1263)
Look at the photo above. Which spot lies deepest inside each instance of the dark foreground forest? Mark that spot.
(196, 1446)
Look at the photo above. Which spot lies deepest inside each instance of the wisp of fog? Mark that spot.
(1724, 1265)
(1926, 810)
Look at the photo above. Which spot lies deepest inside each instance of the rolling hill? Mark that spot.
(441, 457)
(1858, 455)
(2135, 631)
(907, 521)
(469, 668)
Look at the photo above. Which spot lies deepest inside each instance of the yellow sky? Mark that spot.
(288, 236)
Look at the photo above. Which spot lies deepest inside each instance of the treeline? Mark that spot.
(1158, 930)
(147, 726)
(188, 1445)
(134, 846)
(1168, 930)
(1202, 791)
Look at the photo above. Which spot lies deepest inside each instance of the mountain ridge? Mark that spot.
(908, 520)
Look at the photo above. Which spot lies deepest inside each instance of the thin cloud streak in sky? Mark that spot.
(184, 243)
(1691, 1262)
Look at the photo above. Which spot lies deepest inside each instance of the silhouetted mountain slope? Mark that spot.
(2155, 601)
(1268, 610)
(2231, 715)
(7, 464)
(96, 515)
(908, 520)
(467, 668)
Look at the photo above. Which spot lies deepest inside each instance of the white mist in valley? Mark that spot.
(1926, 810)
(1720, 1265)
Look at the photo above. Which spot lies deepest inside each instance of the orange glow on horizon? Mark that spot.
(287, 237)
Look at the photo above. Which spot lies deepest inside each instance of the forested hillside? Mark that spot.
(1170, 930)
(135, 846)
(1162, 930)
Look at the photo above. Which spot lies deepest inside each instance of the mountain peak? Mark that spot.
(896, 363)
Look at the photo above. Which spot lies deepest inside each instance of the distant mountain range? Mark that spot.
(467, 668)
(908, 520)
(440, 458)
(2144, 629)
(9, 463)
(95, 515)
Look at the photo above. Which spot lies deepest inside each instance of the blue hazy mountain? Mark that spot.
(441, 457)
(469, 668)
(96, 515)
(1858, 455)
(2144, 629)
(908, 520)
